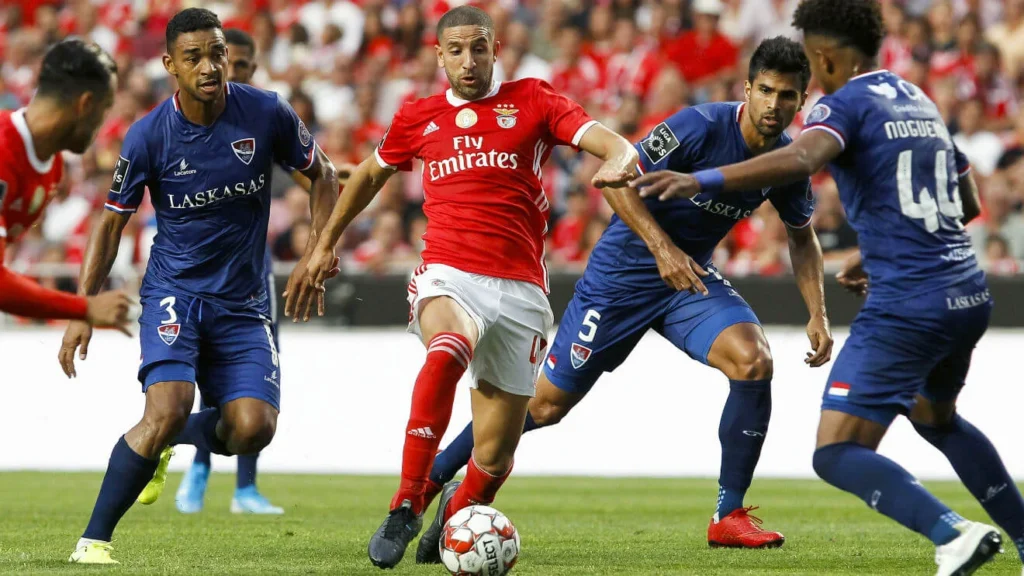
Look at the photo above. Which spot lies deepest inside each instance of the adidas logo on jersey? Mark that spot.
(424, 432)
(430, 129)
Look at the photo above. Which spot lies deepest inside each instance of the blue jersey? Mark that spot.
(210, 186)
(898, 178)
(696, 138)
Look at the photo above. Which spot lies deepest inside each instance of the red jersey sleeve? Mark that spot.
(567, 120)
(397, 147)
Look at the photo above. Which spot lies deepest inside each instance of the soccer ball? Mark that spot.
(479, 540)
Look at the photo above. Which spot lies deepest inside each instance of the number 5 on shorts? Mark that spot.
(589, 330)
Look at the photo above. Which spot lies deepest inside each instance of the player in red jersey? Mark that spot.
(76, 89)
(479, 300)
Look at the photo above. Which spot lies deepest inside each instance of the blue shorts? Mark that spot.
(229, 354)
(898, 350)
(603, 324)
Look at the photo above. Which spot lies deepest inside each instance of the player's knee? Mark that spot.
(249, 432)
(825, 459)
(547, 413)
(752, 363)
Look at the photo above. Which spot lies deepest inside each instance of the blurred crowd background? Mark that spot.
(346, 66)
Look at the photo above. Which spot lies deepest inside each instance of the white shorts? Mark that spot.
(513, 319)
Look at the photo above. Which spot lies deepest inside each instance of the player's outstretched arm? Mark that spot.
(805, 252)
(620, 157)
(363, 185)
(323, 193)
(801, 159)
(99, 259)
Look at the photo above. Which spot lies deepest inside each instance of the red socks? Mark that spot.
(479, 487)
(448, 356)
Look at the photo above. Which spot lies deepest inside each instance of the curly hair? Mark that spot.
(856, 23)
(190, 20)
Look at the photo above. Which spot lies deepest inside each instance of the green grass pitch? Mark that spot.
(568, 526)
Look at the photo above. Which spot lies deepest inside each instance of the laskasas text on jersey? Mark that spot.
(210, 186)
(483, 195)
(695, 138)
(898, 178)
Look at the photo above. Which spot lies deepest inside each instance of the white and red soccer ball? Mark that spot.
(479, 540)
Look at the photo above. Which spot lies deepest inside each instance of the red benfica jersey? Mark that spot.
(26, 183)
(483, 196)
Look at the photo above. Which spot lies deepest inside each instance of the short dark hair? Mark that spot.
(190, 20)
(856, 23)
(782, 55)
(240, 38)
(72, 67)
(464, 16)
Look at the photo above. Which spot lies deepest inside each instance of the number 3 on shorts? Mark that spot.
(168, 305)
(589, 330)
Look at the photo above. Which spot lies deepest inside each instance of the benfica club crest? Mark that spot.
(245, 149)
(169, 332)
(579, 355)
(506, 115)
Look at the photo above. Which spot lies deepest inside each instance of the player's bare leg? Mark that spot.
(846, 458)
(450, 335)
(498, 419)
(133, 463)
(975, 461)
(547, 408)
(742, 354)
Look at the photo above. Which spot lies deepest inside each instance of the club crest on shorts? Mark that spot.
(245, 149)
(168, 332)
(579, 355)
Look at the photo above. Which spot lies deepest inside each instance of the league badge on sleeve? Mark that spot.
(818, 114)
(120, 174)
(304, 136)
(168, 332)
(579, 355)
(661, 142)
(245, 149)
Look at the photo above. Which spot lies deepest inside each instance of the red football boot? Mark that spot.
(741, 530)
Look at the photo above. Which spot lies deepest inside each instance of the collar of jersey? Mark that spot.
(40, 166)
(181, 115)
(456, 101)
(866, 74)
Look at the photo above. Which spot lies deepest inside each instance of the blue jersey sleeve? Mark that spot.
(963, 165)
(795, 203)
(131, 173)
(833, 115)
(675, 144)
(293, 146)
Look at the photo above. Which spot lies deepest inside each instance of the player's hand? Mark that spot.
(853, 277)
(303, 284)
(821, 342)
(78, 334)
(680, 271)
(666, 184)
(610, 178)
(109, 310)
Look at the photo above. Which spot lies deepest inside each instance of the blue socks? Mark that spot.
(246, 476)
(887, 488)
(457, 454)
(742, 431)
(979, 467)
(201, 432)
(127, 474)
